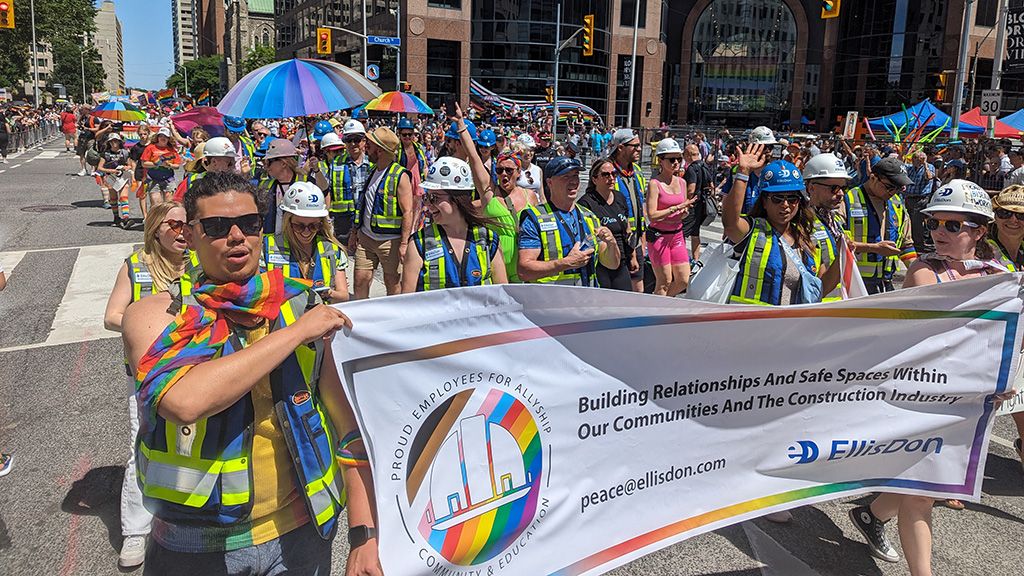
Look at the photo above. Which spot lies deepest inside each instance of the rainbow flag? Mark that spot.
(166, 94)
(204, 98)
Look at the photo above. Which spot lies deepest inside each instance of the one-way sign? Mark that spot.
(385, 40)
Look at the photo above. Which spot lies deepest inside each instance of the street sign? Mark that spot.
(990, 102)
(550, 81)
(385, 40)
(372, 72)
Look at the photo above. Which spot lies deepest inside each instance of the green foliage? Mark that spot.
(55, 20)
(258, 57)
(67, 68)
(203, 74)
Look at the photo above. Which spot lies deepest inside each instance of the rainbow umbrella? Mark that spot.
(399, 102)
(118, 112)
(297, 87)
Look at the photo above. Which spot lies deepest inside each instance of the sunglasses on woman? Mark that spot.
(174, 225)
(434, 197)
(220, 226)
(606, 174)
(673, 159)
(953, 226)
(299, 227)
(787, 198)
(505, 170)
(1004, 214)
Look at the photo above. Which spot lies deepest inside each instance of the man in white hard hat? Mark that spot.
(343, 175)
(827, 180)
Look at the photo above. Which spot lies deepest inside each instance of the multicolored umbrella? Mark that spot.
(399, 102)
(118, 112)
(297, 87)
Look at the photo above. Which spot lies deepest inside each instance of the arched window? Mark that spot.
(266, 36)
(742, 59)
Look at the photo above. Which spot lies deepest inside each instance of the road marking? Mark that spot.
(80, 315)
(15, 166)
(776, 559)
(1003, 442)
(48, 154)
(30, 159)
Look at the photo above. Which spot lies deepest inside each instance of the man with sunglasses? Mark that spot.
(827, 178)
(878, 224)
(343, 175)
(916, 198)
(384, 216)
(245, 148)
(412, 155)
(624, 152)
(235, 455)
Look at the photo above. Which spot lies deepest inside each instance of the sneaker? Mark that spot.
(784, 517)
(6, 462)
(133, 551)
(1020, 450)
(873, 530)
(126, 223)
(80, 173)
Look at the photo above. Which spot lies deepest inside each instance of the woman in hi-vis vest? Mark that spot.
(160, 262)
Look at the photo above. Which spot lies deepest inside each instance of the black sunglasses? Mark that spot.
(832, 188)
(220, 226)
(433, 197)
(312, 227)
(505, 170)
(1005, 214)
(953, 226)
(787, 198)
(353, 140)
(672, 159)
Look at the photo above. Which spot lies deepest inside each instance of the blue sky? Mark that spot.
(147, 41)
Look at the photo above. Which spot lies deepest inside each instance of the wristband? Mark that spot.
(359, 535)
(742, 177)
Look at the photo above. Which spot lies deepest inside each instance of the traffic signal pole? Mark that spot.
(997, 68)
(958, 87)
(558, 54)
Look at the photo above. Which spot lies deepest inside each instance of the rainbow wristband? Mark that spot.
(348, 458)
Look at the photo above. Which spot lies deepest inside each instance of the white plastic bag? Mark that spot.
(717, 276)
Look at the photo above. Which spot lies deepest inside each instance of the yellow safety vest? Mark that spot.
(554, 245)
(1002, 257)
(385, 214)
(277, 254)
(475, 269)
(762, 267)
(864, 229)
(634, 202)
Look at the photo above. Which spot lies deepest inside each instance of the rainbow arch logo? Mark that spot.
(474, 475)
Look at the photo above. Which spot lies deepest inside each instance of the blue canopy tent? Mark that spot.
(1016, 120)
(922, 112)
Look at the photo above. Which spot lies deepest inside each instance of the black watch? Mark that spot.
(358, 535)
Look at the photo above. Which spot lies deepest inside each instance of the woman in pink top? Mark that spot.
(667, 205)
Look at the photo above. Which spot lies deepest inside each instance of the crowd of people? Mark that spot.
(246, 234)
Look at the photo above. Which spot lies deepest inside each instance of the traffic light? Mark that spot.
(829, 8)
(323, 41)
(404, 86)
(588, 35)
(6, 14)
(550, 97)
(942, 84)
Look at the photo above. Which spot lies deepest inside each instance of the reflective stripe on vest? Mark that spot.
(761, 267)
(552, 246)
(421, 157)
(1001, 256)
(859, 224)
(386, 214)
(202, 472)
(641, 188)
(278, 255)
(827, 245)
(434, 249)
(343, 198)
(141, 279)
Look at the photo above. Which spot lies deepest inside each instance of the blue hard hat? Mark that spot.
(360, 113)
(406, 123)
(453, 130)
(487, 138)
(234, 123)
(321, 129)
(781, 176)
(262, 150)
(560, 165)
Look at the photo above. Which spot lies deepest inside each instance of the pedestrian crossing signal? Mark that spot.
(323, 41)
(6, 15)
(550, 97)
(829, 8)
(588, 35)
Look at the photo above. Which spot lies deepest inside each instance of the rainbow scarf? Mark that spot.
(199, 333)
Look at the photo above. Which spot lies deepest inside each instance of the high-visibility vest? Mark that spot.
(249, 149)
(202, 472)
(339, 175)
(440, 268)
(827, 245)
(554, 244)
(421, 157)
(762, 266)
(278, 255)
(634, 205)
(385, 214)
(864, 227)
(1002, 257)
(141, 280)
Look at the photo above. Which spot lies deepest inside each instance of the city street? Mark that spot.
(63, 404)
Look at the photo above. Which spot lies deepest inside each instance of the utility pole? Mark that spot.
(35, 55)
(958, 94)
(632, 63)
(558, 53)
(83, 70)
(365, 55)
(997, 66)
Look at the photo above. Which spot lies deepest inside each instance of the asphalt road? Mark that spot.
(63, 403)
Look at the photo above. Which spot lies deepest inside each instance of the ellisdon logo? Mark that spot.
(806, 451)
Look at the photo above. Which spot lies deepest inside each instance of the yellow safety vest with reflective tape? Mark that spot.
(343, 197)
(385, 214)
(862, 230)
(476, 261)
(1002, 257)
(827, 245)
(762, 267)
(277, 254)
(142, 282)
(634, 202)
(554, 245)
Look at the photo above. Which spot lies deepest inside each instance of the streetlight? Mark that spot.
(186, 76)
(84, 100)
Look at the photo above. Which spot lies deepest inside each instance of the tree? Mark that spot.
(203, 74)
(258, 57)
(55, 20)
(67, 68)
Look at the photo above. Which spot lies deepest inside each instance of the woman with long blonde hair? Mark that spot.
(150, 270)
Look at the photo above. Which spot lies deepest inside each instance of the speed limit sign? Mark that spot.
(990, 102)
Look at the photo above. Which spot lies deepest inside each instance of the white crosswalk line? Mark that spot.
(48, 154)
(80, 315)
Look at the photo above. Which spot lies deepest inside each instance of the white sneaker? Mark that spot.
(133, 551)
(784, 517)
(80, 173)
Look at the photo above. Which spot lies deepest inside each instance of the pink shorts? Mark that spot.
(668, 250)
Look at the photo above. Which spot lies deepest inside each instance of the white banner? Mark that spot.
(531, 430)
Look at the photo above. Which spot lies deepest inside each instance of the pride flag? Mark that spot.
(165, 94)
(204, 98)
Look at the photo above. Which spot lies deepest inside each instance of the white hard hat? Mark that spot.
(304, 199)
(448, 173)
(114, 136)
(762, 135)
(331, 139)
(353, 127)
(527, 140)
(667, 146)
(825, 165)
(961, 196)
(219, 147)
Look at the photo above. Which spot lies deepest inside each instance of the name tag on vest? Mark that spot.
(821, 234)
(548, 226)
(279, 259)
(143, 277)
(434, 254)
(858, 213)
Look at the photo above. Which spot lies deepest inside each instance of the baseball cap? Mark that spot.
(956, 163)
(164, 131)
(621, 136)
(893, 170)
(560, 165)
